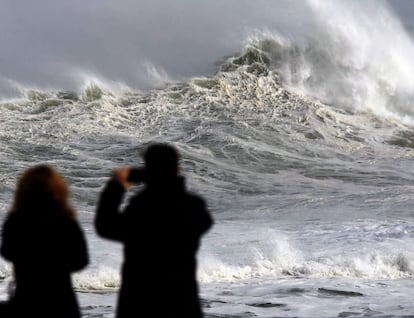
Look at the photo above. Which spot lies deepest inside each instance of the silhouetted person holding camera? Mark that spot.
(45, 244)
(160, 228)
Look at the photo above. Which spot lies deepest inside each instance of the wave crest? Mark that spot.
(356, 58)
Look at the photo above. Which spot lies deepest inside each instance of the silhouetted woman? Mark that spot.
(45, 244)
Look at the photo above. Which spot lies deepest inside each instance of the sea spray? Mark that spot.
(358, 56)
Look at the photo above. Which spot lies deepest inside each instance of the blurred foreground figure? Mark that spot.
(45, 244)
(161, 230)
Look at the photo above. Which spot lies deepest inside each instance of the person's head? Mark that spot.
(42, 186)
(161, 162)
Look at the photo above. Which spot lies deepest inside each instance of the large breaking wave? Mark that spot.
(357, 56)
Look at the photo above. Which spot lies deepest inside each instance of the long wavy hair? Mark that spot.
(42, 187)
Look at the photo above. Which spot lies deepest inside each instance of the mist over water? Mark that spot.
(60, 45)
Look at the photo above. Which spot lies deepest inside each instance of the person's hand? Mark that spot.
(120, 175)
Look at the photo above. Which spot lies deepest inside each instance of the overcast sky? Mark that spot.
(57, 44)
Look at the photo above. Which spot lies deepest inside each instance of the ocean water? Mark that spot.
(302, 145)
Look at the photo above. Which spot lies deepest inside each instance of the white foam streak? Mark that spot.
(88, 79)
(286, 261)
(102, 279)
(213, 269)
(156, 75)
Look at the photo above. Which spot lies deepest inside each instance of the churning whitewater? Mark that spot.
(302, 145)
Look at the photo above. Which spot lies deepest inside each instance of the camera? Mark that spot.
(137, 175)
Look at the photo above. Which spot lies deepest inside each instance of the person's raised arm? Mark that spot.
(108, 219)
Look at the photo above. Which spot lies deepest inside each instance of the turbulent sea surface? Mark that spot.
(303, 148)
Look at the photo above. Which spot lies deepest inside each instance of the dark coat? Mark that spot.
(45, 247)
(161, 230)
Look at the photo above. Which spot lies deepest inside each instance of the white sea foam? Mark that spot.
(101, 279)
(369, 266)
(277, 258)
